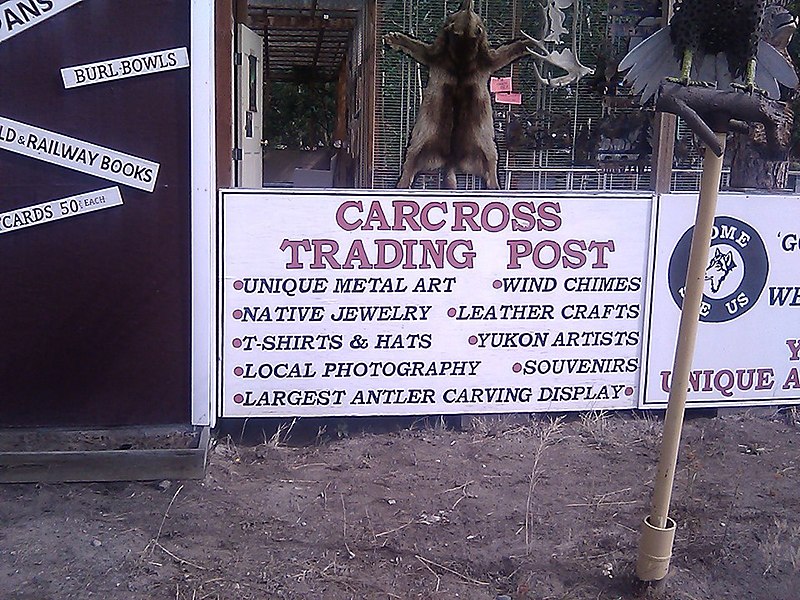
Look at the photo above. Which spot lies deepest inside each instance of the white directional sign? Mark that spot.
(18, 15)
(59, 209)
(78, 155)
(127, 66)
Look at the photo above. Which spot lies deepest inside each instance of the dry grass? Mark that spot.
(546, 433)
(646, 429)
(792, 414)
(595, 423)
(781, 548)
(281, 435)
(493, 425)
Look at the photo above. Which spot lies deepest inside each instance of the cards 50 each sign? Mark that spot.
(62, 208)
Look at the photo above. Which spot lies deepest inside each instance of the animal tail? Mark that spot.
(654, 59)
(712, 68)
(772, 70)
(649, 63)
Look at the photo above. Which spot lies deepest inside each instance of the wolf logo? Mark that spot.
(719, 268)
(736, 272)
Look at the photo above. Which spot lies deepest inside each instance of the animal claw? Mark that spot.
(687, 82)
(749, 88)
(393, 40)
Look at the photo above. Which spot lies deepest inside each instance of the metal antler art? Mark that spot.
(565, 59)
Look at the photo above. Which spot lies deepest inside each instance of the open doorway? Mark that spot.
(299, 74)
(249, 110)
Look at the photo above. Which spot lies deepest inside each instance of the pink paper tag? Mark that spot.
(500, 84)
(509, 98)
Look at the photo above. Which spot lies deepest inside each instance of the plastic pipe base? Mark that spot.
(655, 550)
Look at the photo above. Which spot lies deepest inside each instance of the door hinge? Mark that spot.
(237, 58)
(237, 154)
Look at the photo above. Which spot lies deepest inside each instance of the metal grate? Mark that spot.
(571, 112)
(302, 42)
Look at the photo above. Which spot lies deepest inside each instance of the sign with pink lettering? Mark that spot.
(748, 342)
(370, 303)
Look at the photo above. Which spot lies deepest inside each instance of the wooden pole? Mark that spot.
(655, 547)
(223, 76)
(368, 132)
(664, 127)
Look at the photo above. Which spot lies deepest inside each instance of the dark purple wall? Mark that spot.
(95, 309)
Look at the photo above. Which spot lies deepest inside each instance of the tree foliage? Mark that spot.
(300, 115)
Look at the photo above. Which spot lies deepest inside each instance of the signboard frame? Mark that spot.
(203, 217)
(738, 281)
(193, 99)
(272, 200)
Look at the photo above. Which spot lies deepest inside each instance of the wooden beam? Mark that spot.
(284, 22)
(318, 49)
(371, 90)
(340, 129)
(106, 465)
(331, 5)
(223, 81)
(664, 128)
(240, 12)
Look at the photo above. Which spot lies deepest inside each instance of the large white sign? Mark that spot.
(18, 15)
(414, 303)
(62, 208)
(78, 155)
(122, 68)
(748, 341)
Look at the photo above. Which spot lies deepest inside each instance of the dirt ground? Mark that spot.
(519, 508)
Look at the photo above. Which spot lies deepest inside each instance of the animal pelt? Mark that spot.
(454, 130)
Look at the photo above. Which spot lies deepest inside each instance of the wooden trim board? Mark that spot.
(107, 465)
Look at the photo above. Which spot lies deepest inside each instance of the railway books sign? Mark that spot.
(429, 303)
(748, 342)
(76, 154)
